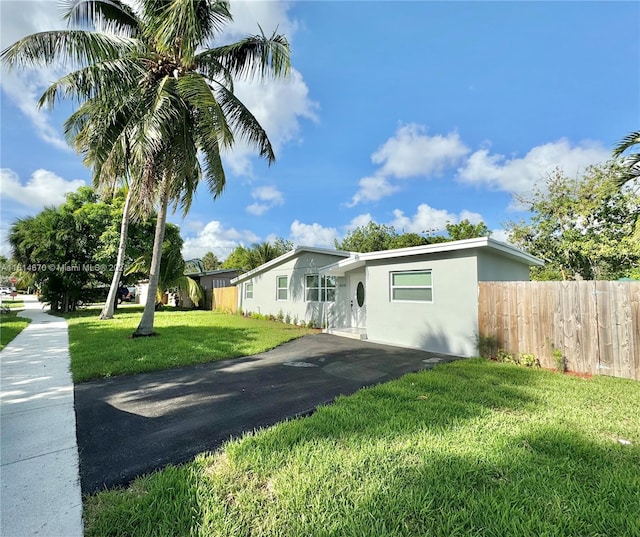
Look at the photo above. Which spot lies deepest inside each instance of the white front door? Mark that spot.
(358, 300)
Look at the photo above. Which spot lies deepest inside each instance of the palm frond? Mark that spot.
(116, 15)
(254, 55)
(244, 123)
(627, 142)
(76, 46)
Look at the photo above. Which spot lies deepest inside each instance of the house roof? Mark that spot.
(214, 272)
(357, 260)
(285, 257)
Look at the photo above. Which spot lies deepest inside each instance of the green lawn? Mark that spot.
(10, 326)
(472, 448)
(13, 304)
(102, 349)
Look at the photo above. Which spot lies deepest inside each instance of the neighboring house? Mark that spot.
(424, 297)
(209, 280)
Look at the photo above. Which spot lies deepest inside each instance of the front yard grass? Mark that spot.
(10, 326)
(470, 448)
(101, 349)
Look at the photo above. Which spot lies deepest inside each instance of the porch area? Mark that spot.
(350, 332)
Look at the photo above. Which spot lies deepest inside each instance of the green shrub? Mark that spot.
(487, 346)
(280, 316)
(505, 356)
(528, 360)
(559, 359)
(287, 318)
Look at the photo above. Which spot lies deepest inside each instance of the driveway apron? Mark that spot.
(129, 426)
(39, 453)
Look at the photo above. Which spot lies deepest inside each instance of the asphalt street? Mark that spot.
(130, 426)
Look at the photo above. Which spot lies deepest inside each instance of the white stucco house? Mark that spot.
(423, 297)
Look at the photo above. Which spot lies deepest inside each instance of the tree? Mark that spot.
(247, 258)
(369, 238)
(631, 163)
(171, 98)
(210, 261)
(467, 230)
(584, 227)
(172, 269)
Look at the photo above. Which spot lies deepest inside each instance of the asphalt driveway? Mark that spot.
(130, 426)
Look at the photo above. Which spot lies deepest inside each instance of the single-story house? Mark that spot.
(423, 297)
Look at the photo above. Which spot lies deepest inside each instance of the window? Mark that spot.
(320, 288)
(248, 290)
(282, 288)
(414, 285)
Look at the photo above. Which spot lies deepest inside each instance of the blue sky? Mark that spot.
(412, 114)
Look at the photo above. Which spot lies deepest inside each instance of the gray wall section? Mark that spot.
(493, 267)
(448, 324)
(265, 300)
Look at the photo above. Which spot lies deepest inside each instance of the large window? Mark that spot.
(248, 290)
(412, 286)
(282, 288)
(320, 288)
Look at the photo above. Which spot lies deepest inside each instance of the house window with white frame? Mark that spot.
(412, 286)
(320, 288)
(248, 290)
(282, 288)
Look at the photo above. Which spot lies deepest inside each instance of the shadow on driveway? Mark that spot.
(130, 426)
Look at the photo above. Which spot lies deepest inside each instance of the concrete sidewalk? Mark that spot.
(38, 447)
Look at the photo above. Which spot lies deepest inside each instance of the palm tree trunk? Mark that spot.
(145, 328)
(107, 311)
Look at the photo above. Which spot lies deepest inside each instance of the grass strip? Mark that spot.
(469, 448)
(10, 326)
(101, 349)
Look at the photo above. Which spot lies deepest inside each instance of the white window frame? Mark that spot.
(285, 288)
(248, 290)
(393, 287)
(322, 288)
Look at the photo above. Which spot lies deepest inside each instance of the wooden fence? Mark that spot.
(225, 299)
(596, 324)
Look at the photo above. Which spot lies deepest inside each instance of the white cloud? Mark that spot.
(359, 221)
(278, 105)
(412, 153)
(267, 197)
(44, 188)
(519, 175)
(500, 235)
(372, 189)
(312, 235)
(429, 220)
(214, 237)
(24, 87)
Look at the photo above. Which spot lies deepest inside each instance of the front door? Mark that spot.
(358, 300)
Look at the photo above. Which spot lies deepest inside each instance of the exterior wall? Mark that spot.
(448, 324)
(498, 268)
(265, 300)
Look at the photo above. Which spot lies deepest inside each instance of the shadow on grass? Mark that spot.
(544, 477)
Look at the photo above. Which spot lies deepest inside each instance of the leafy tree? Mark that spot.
(210, 261)
(407, 240)
(248, 258)
(238, 259)
(630, 162)
(171, 98)
(467, 230)
(370, 238)
(584, 227)
(172, 268)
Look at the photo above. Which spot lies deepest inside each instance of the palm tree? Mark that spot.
(631, 161)
(171, 98)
